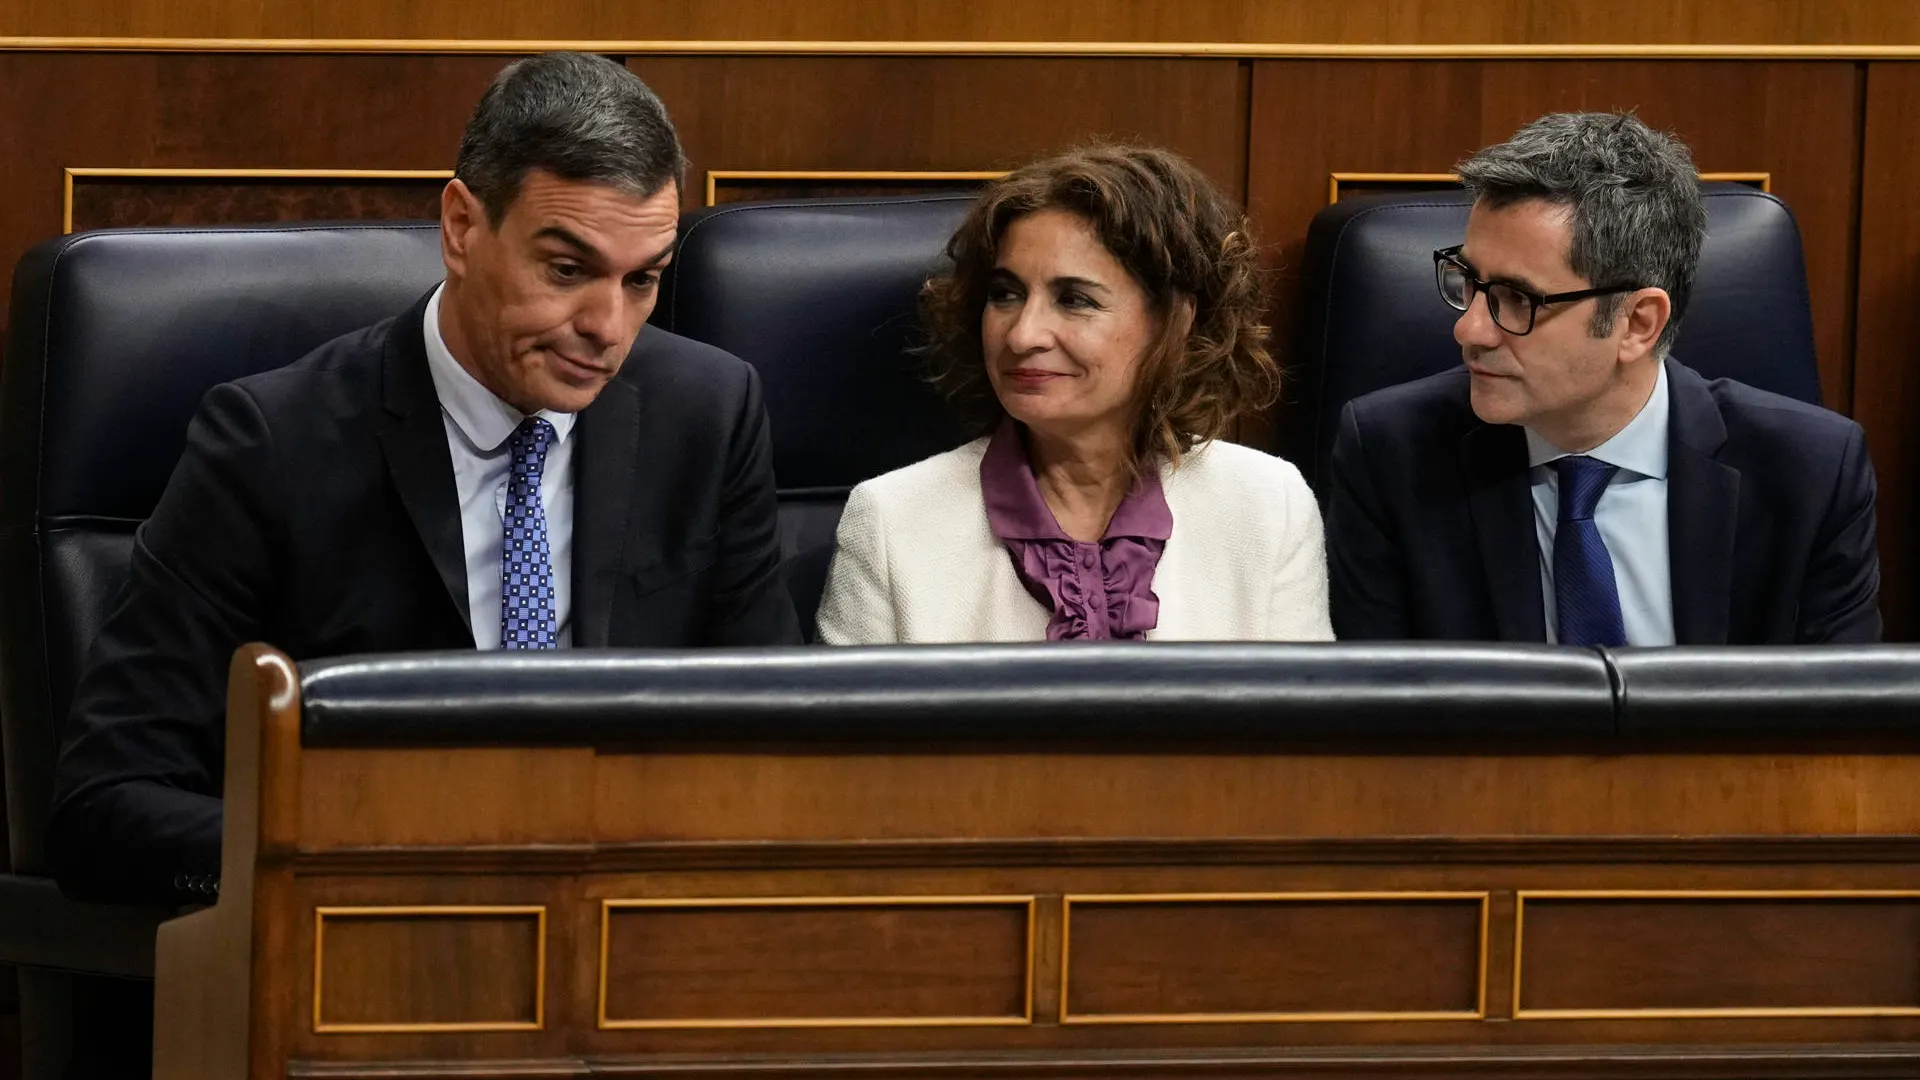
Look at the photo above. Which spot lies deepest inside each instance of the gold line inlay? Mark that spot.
(1479, 1012)
(66, 213)
(1334, 180)
(609, 906)
(321, 914)
(1709, 1012)
(716, 176)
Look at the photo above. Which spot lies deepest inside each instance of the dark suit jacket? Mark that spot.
(1430, 529)
(314, 508)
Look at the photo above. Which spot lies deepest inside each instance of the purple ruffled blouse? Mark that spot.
(1097, 592)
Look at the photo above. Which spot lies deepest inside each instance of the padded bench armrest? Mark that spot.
(40, 928)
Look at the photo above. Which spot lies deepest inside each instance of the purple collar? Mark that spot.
(1017, 511)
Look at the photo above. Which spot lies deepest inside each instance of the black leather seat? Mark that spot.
(1372, 317)
(820, 296)
(114, 337)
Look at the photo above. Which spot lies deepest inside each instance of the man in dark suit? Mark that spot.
(1571, 482)
(514, 462)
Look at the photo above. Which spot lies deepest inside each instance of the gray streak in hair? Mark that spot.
(1632, 195)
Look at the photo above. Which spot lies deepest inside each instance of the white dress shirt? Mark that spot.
(478, 427)
(1631, 517)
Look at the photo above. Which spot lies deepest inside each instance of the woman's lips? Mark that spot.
(1034, 376)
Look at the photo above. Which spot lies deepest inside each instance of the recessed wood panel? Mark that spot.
(867, 113)
(429, 969)
(893, 961)
(119, 201)
(64, 111)
(1759, 954)
(1307, 957)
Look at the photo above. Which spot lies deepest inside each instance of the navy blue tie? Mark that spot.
(1586, 598)
(526, 565)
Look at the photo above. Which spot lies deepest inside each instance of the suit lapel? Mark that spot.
(1703, 504)
(603, 464)
(414, 439)
(1494, 461)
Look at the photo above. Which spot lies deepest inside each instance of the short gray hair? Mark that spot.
(578, 116)
(1634, 196)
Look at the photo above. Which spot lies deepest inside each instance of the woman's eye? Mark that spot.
(1000, 294)
(1077, 301)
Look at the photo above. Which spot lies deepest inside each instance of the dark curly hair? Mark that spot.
(1179, 237)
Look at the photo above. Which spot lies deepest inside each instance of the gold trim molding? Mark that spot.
(609, 906)
(66, 211)
(1520, 1012)
(459, 911)
(1190, 49)
(1478, 1012)
(715, 177)
(1334, 180)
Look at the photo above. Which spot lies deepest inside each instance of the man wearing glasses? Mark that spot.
(1570, 482)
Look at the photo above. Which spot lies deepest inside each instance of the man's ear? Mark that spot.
(1646, 312)
(461, 215)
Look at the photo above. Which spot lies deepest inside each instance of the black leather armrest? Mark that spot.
(1113, 693)
(1817, 690)
(40, 928)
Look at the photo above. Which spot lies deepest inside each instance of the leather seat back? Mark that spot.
(1373, 316)
(114, 337)
(820, 297)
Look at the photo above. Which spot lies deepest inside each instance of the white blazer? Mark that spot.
(917, 561)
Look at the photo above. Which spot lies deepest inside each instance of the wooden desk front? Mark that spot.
(964, 912)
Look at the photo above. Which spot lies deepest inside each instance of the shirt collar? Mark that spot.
(485, 420)
(1017, 511)
(1640, 447)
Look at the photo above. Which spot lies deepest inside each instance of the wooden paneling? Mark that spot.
(110, 202)
(890, 796)
(1351, 21)
(218, 112)
(1315, 118)
(426, 968)
(351, 799)
(959, 114)
(1272, 958)
(1887, 364)
(823, 962)
(1718, 955)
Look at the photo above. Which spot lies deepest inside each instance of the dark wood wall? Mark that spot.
(1360, 22)
(1833, 135)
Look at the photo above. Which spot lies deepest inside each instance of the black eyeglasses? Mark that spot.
(1513, 308)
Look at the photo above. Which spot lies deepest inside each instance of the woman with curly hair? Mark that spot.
(1101, 328)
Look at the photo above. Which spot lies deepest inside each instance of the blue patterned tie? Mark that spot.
(1586, 598)
(526, 567)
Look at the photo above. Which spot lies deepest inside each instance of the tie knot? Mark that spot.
(1582, 480)
(529, 445)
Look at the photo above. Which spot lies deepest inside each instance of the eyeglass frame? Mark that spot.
(1535, 301)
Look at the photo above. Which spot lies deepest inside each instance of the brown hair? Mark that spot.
(1179, 238)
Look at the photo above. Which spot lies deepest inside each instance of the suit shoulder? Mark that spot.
(1230, 482)
(1436, 405)
(347, 366)
(1235, 470)
(1750, 410)
(661, 357)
